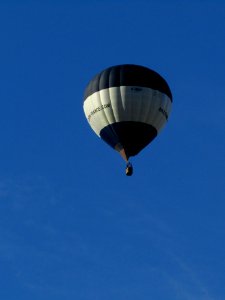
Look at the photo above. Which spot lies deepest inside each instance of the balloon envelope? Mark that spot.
(127, 106)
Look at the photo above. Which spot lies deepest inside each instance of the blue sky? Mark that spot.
(72, 225)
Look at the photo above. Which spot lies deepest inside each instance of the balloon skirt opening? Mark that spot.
(132, 136)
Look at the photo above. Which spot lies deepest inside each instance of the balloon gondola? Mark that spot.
(127, 106)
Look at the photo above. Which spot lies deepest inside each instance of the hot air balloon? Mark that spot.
(127, 106)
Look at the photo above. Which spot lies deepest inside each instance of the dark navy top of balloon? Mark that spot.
(127, 75)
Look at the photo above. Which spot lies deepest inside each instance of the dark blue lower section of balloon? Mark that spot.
(133, 136)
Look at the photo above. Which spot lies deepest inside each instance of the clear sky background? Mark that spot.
(72, 225)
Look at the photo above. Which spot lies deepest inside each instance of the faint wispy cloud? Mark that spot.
(184, 281)
(188, 285)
